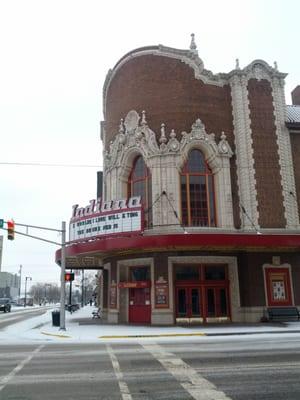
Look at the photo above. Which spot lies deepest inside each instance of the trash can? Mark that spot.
(56, 318)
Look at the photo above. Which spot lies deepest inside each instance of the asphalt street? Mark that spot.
(15, 316)
(205, 369)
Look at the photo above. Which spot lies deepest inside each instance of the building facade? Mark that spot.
(213, 160)
(9, 285)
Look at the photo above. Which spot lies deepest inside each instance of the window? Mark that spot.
(197, 192)
(215, 273)
(187, 272)
(140, 274)
(139, 184)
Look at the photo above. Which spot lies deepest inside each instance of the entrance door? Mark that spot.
(139, 305)
(216, 301)
(188, 302)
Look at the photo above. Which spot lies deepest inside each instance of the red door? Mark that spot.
(139, 305)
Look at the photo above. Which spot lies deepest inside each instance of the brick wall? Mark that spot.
(266, 158)
(167, 89)
(169, 92)
(296, 95)
(295, 144)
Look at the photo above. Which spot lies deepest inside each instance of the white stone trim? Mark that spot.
(244, 152)
(165, 161)
(285, 157)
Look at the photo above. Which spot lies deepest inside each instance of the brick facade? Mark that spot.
(265, 153)
(167, 89)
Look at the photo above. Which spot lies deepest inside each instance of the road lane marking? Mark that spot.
(4, 381)
(158, 335)
(195, 384)
(124, 389)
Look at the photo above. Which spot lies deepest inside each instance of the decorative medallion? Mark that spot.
(131, 121)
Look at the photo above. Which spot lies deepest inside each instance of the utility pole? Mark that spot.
(20, 273)
(70, 291)
(26, 279)
(82, 288)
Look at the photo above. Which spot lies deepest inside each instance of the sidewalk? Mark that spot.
(81, 327)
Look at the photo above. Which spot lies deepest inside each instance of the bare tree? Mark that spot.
(45, 293)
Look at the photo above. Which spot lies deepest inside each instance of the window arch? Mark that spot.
(139, 184)
(197, 192)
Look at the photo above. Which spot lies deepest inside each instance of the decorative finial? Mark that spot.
(193, 46)
(237, 64)
(223, 136)
(144, 122)
(163, 138)
(121, 127)
(173, 134)
(275, 65)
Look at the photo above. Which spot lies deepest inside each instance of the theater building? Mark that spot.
(199, 216)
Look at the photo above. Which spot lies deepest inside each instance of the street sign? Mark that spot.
(1, 223)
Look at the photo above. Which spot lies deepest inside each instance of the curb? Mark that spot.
(151, 336)
(56, 335)
(251, 333)
(195, 334)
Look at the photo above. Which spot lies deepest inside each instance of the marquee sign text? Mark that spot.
(106, 218)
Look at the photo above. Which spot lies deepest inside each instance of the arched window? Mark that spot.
(197, 192)
(139, 184)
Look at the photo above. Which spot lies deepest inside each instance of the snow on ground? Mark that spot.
(40, 329)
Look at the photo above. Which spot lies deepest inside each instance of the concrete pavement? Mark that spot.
(81, 326)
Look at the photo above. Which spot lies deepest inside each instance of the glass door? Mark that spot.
(216, 301)
(188, 302)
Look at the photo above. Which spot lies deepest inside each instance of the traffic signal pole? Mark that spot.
(62, 278)
(11, 231)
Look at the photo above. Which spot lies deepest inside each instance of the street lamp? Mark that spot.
(26, 279)
(20, 273)
(46, 284)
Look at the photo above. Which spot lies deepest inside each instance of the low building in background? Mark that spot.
(9, 285)
(199, 216)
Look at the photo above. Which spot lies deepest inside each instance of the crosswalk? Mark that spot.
(151, 370)
(107, 371)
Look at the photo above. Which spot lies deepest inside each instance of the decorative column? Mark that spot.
(285, 156)
(244, 151)
(223, 185)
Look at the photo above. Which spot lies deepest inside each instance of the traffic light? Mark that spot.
(69, 276)
(10, 230)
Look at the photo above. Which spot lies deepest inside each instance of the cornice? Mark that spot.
(258, 69)
(189, 57)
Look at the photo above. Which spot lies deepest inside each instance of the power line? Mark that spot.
(264, 164)
(38, 164)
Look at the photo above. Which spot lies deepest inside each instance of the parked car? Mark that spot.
(5, 304)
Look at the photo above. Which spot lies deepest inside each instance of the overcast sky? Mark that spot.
(54, 56)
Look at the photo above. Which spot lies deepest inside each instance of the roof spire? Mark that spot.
(193, 46)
